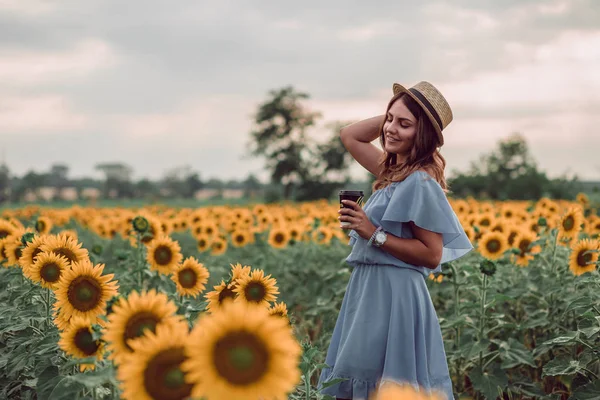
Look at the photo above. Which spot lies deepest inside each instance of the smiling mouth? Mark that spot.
(389, 139)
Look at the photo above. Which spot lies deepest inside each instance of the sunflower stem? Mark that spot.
(552, 276)
(139, 261)
(456, 328)
(482, 319)
(47, 301)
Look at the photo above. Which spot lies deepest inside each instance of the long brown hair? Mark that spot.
(424, 154)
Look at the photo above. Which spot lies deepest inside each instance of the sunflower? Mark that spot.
(132, 316)
(240, 237)
(153, 369)
(164, 254)
(257, 288)
(72, 233)
(389, 390)
(30, 252)
(279, 309)
(203, 242)
(59, 319)
(6, 228)
(238, 271)
(78, 342)
(47, 269)
(242, 352)
(569, 224)
(82, 291)
(492, 245)
(217, 297)
(3, 254)
(218, 246)
(322, 235)
(512, 231)
(43, 225)
(278, 237)
(437, 279)
(523, 241)
(65, 246)
(584, 256)
(190, 277)
(13, 249)
(582, 198)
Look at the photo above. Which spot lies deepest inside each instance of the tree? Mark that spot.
(508, 172)
(251, 186)
(281, 137)
(30, 182)
(57, 178)
(118, 179)
(306, 170)
(4, 183)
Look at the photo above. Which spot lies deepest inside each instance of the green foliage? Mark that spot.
(509, 172)
(525, 332)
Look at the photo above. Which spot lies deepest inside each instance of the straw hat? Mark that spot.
(433, 103)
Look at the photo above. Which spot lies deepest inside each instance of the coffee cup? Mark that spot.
(356, 196)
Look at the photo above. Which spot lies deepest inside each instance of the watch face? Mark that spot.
(380, 237)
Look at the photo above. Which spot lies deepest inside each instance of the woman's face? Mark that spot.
(399, 129)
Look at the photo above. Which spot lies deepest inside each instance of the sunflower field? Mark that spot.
(239, 302)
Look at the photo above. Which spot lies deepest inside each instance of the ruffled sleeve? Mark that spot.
(419, 198)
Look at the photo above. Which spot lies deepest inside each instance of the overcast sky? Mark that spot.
(160, 84)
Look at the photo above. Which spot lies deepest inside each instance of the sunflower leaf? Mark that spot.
(591, 391)
(488, 383)
(562, 365)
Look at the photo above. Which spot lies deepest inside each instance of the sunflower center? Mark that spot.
(241, 358)
(255, 291)
(279, 238)
(18, 252)
(239, 238)
(568, 223)
(511, 237)
(163, 255)
(50, 272)
(84, 293)
(524, 246)
(187, 278)
(138, 324)
(493, 245)
(85, 342)
(66, 253)
(583, 258)
(163, 378)
(226, 293)
(40, 226)
(4, 233)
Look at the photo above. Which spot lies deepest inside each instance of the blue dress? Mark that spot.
(387, 327)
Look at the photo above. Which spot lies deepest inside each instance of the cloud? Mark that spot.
(46, 114)
(27, 7)
(563, 73)
(20, 67)
(200, 122)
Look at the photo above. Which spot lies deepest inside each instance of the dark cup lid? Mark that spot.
(351, 193)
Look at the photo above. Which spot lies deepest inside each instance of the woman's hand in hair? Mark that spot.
(358, 220)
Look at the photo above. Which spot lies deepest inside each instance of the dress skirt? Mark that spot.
(387, 329)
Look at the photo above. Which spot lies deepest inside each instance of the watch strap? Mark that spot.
(370, 242)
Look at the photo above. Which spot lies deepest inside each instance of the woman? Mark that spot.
(387, 328)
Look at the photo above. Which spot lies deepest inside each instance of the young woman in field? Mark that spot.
(387, 328)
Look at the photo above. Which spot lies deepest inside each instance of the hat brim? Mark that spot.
(398, 88)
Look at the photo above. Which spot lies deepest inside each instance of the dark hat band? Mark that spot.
(428, 105)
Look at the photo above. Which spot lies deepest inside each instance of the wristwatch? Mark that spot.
(378, 238)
